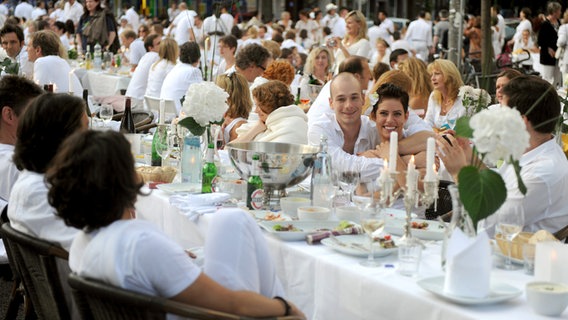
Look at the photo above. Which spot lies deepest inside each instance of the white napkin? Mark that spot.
(196, 205)
(468, 265)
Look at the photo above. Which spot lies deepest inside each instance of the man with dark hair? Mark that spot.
(16, 93)
(251, 61)
(137, 85)
(12, 38)
(440, 29)
(380, 30)
(495, 9)
(45, 51)
(544, 166)
(547, 37)
(396, 57)
(419, 34)
(59, 28)
(183, 75)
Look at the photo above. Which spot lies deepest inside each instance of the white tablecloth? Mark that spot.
(101, 83)
(328, 285)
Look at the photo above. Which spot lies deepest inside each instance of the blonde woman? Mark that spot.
(239, 101)
(444, 105)
(168, 53)
(419, 94)
(382, 53)
(355, 42)
(317, 71)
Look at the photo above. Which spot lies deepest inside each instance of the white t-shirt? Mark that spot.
(139, 81)
(65, 41)
(133, 18)
(137, 51)
(30, 213)
(158, 72)
(38, 12)
(53, 69)
(24, 10)
(8, 171)
(183, 22)
(178, 81)
(134, 255)
(73, 12)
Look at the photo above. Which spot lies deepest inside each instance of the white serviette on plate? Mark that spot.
(196, 205)
(468, 265)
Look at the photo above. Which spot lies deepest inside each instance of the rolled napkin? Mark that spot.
(316, 238)
(468, 265)
(195, 205)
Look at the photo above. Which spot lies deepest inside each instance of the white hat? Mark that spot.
(124, 17)
(330, 6)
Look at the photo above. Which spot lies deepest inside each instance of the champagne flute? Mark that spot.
(105, 113)
(372, 220)
(347, 180)
(510, 222)
(163, 146)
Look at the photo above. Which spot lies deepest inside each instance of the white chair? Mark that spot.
(153, 104)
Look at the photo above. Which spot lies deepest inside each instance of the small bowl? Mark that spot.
(349, 213)
(547, 298)
(313, 213)
(290, 205)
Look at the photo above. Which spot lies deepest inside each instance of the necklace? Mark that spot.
(446, 105)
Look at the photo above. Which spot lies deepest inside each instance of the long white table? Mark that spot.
(329, 285)
(102, 83)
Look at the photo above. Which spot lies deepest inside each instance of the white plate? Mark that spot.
(306, 227)
(180, 187)
(397, 213)
(357, 239)
(262, 214)
(498, 292)
(434, 231)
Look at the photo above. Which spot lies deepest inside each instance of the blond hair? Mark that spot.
(239, 101)
(309, 66)
(358, 17)
(417, 70)
(452, 79)
(169, 51)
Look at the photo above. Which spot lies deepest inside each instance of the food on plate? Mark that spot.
(386, 241)
(289, 227)
(343, 224)
(271, 216)
(419, 225)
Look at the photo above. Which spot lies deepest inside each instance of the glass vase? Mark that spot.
(192, 158)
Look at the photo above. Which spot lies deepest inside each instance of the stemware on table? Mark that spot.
(510, 222)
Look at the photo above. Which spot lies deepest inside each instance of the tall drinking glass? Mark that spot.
(372, 220)
(510, 222)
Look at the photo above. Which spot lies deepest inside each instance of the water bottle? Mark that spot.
(98, 57)
(88, 58)
(322, 187)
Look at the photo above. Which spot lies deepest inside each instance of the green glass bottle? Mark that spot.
(209, 172)
(255, 191)
(297, 102)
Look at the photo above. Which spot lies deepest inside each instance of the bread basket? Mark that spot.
(157, 174)
(517, 244)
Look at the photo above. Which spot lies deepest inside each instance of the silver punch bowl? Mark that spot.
(282, 165)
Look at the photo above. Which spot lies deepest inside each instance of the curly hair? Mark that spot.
(280, 70)
(452, 78)
(91, 166)
(239, 101)
(417, 70)
(251, 55)
(272, 95)
(273, 47)
(46, 123)
(309, 67)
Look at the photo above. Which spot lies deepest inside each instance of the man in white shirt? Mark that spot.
(338, 29)
(12, 38)
(544, 168)
(227, 19)
(182, 24)
(134, 45)
(330, 19)
(16, 93)
(198, 35)
(39, 10)
(49, 68)
(24, 10)
(306, 23)
(133, 17)
(419, 34)
(183, 75)
(378, 31)
(500, 24)
(4, 8)
(137, 85)
(73, 11)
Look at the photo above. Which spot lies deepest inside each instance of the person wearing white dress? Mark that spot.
(169, 52)
(525, 24)
(137, 85)
(419, 34)
(239, 276)
(355, 42)
(183, 75)
(562, 44)
(45, 51)
(307, 24)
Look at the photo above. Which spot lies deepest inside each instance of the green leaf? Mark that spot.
(520, 182)
(482, 192)
(190, 124)
(463, 129)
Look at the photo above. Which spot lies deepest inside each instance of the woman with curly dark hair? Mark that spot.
(46, 123)
(279, 119)
(93, 186)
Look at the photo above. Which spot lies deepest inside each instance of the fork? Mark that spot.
(347, 245)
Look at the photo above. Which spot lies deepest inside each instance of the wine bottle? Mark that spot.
(297, 102)
(156, 159)
(209, 172)
(127, 122)
(255, 191)
(322, 183)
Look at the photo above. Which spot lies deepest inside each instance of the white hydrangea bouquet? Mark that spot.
(498, 135)
(205, 104)
(6, 64)
(474, 99)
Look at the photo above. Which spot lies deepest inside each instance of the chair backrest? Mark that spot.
(36, 261)
(97, 300)
(153, 104)
(444, 202)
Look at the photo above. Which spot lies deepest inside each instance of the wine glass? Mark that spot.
(163, 145)
(372, 220)
(347, 180)
(510, 222)
(105, 113)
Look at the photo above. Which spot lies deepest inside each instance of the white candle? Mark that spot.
(550, 262)
(162, 111)
(393, 151)
(384, 172)
(430, 166)
(411, 181)
(71, 82)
